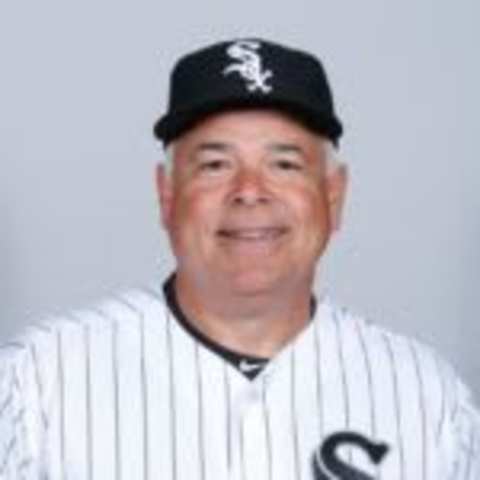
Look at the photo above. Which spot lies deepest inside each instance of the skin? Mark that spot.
(249, 208)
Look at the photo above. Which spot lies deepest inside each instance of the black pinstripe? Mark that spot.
(397, 405)
(61, 392)
(173, 413)
(145, 404)
(319, 381)
(226, 385)
(88, 401)
(346, 397)
(242, 451)
(171, 380)
(368, 369)
(470, 455)
(421, 404)
(296, 445)
(143, 386)
(116, 402)
(443, 402)
(268, 432)
(371, 395)
(201, 439)
(116, 391)
(39, 384)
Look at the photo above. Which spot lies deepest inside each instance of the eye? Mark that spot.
(288, 164)
(214, 165)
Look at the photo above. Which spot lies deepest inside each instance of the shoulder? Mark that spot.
(380, 341)
(40, 346)
(419, 374)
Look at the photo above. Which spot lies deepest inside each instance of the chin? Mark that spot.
(251, 282)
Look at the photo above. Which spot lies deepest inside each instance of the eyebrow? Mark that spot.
(215, 146)
(274, 147)
(285, 148)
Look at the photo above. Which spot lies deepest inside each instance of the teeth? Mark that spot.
(252, 234)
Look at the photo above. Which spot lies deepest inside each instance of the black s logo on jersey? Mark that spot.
(325, 462)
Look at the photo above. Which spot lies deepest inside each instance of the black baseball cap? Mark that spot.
(249, 73)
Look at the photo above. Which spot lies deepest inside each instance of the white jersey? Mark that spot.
(124, 392)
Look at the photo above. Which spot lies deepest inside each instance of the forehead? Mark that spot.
(248, 128)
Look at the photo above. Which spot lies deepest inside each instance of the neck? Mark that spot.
(258, 324)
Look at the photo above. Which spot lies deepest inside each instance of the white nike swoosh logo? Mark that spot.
(246, 367)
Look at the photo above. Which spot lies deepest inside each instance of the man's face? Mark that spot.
(249, 205)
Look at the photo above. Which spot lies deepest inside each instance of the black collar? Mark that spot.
(249, 365)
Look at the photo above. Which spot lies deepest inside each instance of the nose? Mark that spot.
(249, 187)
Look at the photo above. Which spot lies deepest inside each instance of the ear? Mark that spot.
(337, 183)
(165, 194)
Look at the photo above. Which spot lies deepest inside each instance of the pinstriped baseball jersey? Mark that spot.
(124, 392)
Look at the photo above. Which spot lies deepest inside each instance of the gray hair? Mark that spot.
(169, 158)
(331, 155)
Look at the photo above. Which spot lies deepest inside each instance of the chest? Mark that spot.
(181, 412)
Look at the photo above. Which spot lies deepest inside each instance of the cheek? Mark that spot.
(313, 220)
(193, 217)
(310, 208)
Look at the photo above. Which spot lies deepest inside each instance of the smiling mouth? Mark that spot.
(253, 234)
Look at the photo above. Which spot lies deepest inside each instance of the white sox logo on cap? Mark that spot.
(249, 66)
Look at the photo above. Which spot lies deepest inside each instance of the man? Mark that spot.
(235, 370)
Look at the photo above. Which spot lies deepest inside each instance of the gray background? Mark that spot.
(81, 83)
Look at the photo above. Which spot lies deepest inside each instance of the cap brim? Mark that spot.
(171, 126)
